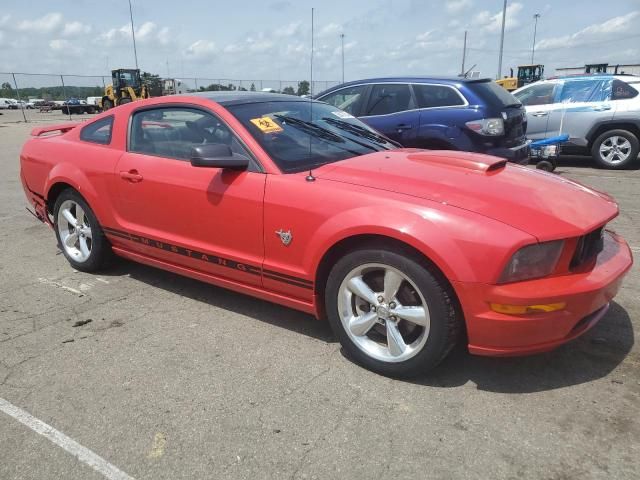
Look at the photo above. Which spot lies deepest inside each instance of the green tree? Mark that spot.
(289, 90)
(6, 90)
(154, 83)
(303, 88)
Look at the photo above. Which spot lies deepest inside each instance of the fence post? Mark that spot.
(64, 95)
(18, 95)
(196, 82)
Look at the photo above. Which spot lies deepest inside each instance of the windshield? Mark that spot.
(299, 136)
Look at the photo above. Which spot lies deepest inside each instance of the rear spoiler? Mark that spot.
(61, 127)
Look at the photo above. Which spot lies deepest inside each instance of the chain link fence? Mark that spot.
(36, 96)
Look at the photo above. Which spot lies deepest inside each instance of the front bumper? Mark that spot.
(586, 295)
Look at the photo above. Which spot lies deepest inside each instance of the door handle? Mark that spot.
(602, 108)
(132, 175)
(403, 126)
(540, 114)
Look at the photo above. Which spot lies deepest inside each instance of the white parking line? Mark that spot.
(83, 454)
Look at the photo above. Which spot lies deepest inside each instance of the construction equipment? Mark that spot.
(526, 74)
(127, 87)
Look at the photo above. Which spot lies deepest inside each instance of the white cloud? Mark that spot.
(45, 24)
(457, 6)
(59, 44)
(201, 49)
(423, 37)
(613, 26)
(72, 29)
(330, 30)
(493, 22)
(145, 31)
(288, 30)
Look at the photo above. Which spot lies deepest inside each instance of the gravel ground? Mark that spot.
(172, 378)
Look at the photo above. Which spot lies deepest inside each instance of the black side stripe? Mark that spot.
(205, 257)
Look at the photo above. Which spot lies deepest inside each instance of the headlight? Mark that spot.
(533, 261)
(487, 126)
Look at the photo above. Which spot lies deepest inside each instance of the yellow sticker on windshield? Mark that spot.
(266, 125)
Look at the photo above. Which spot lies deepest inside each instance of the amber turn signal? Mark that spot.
(527, 309)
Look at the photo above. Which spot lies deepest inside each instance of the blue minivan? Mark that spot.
(442, 113)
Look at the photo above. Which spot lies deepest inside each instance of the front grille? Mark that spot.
(588, 248)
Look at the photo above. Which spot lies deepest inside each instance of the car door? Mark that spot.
(443, 113)
(580, 104)
(204, 219)
(538, 100)
(391, 109)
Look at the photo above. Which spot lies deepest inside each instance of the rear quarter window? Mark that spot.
(624, 91)
(98, 131)
(493, 94)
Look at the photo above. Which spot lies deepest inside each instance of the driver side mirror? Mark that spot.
(217, 155)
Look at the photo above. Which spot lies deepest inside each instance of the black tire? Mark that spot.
(546, 165)
(604, 138)
(107, 104)
(446, 324)
(101, 253)
(124, 101)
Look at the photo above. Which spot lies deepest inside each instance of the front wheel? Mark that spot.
(79, 234)
(107, 104)
(615, 149)
(391, 314)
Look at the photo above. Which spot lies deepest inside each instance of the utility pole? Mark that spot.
(464, 53)
(133, 35)
(536, 16)
(504, 17)
(342, 41)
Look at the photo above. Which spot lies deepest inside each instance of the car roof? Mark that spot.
(595, 76)
(237, 98)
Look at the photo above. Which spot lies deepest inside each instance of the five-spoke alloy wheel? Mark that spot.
(79, 234)
(391, 313)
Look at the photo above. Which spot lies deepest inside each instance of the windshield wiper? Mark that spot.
(359, 131)
(316, 131)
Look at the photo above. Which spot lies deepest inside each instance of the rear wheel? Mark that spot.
(615, 149)
(391, 314)
(79, 234)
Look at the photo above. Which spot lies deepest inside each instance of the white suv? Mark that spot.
(600, 112)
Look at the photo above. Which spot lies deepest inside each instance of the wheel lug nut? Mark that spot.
(373, 308)
(380, 298)
(392, 305)
(393, 318)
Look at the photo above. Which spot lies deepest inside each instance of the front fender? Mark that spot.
(463, 245)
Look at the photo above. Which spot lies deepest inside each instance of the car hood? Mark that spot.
(541, 204)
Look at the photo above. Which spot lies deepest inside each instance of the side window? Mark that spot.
(348, 99)
(574, 91)
(98, 131)
(389, 98)
(622, 90)
(171, 132)
(539, 94)
(431, 96)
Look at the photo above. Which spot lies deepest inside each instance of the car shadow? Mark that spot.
(592, 356)
(246, 305)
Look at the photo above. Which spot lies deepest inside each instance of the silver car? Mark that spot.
(601, 114)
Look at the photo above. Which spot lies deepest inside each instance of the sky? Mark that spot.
(271, 39)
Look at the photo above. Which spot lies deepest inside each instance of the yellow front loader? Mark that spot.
(126, 86)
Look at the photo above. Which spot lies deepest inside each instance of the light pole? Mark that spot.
(133, 35)
(536, 16)
(504, 16)
(342, 42)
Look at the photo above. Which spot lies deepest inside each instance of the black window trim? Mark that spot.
(413, 96)
(97, 120)
(254, 165)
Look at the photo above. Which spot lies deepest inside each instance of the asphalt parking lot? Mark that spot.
(168, 378)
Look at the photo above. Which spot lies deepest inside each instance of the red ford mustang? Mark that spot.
(404, 251)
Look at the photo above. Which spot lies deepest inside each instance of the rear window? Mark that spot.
(98, 131)
(491, 93)
(623, 91)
